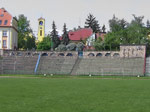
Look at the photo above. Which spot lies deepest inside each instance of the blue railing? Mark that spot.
(37, 64)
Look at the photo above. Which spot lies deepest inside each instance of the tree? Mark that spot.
(99, 44)
(122, 32)
(54, 36)
(45, 44)
(113, 40)
(116, 24)
(92, 23)
(148, 24)
(117, 34)
(23, 30)
(30, 43)
(138, 20)
(65, 36)
(104, 29)
(137, 31)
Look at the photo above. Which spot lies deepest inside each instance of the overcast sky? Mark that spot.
(74, 12)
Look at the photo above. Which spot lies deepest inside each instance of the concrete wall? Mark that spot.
(128, 61)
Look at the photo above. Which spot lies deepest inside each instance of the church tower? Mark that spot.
(41, 29)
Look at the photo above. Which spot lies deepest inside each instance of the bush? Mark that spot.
(61, 47)
(80, 46)
(71, 47)
(45, 44)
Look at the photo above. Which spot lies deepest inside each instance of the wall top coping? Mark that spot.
(133, 45)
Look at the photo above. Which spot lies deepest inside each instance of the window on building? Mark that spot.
(4, 33)
(6, 21)
(0, 22)
(4, 44)
(40, 32)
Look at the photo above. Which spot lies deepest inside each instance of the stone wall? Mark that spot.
(8, 53)
(130, 51)
(130, 60)
(126, 51)
(95, 54)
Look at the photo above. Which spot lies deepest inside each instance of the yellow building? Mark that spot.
(41, 29)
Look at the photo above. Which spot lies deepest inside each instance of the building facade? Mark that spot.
(41, 29)
(8, 30)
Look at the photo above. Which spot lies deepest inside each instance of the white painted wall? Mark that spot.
(12, 37)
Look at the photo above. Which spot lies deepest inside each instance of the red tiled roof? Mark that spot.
(4, 15)
(80, 34)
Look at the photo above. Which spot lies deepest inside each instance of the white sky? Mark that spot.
(74, 12)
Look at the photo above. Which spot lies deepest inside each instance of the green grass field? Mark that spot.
(74, 94)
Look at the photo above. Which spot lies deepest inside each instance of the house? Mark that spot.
(80, 34)
(8, 30)
(90, 41)
(85, 34)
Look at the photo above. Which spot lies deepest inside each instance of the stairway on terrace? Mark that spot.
(111, 66)
(50, 65)
(57, 65)
(76, 66)
(68, 65)
(19, 65)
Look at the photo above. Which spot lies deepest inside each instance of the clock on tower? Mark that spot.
(41, 23)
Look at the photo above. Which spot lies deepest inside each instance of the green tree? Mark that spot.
(122, 32)
(138, 20)
(23, 31)
(30, 43)
(45, 44)
(104, 29)
(54, 36)
(99, 44)
(113, 40)
(136, 31)
(65, 36)
(92, 23)
(148, 24)
(117, 34)
(116, 24)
